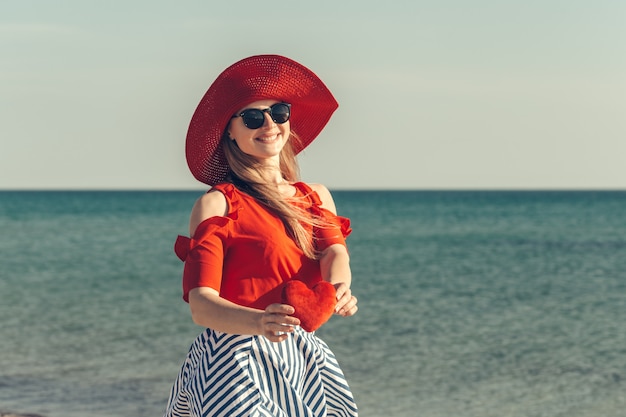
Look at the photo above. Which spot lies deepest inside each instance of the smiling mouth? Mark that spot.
(268, 139)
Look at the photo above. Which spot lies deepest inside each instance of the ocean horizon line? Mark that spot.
(333, 189)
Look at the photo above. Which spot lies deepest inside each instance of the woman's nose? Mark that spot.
(268, 119)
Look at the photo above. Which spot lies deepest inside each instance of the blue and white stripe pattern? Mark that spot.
(238, 375)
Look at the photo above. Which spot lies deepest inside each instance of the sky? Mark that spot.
(449, 94)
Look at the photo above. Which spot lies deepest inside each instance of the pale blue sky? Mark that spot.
(449, 94)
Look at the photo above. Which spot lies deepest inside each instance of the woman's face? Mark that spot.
(267, 141)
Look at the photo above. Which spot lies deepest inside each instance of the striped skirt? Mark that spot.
(238, 375)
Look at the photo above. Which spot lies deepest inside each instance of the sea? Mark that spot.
(471, 303)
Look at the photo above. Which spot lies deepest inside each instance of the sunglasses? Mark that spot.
(254, 118)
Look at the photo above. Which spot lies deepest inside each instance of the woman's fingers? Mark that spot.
(346, 302)
(348, 308)
(277, 322)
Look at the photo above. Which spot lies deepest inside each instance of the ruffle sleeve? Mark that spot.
(338, 228)
(203, 253)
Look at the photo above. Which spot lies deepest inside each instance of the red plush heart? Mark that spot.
(313, 306)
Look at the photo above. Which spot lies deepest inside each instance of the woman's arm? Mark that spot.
(335, 268)
(210, 310)
(335, 263)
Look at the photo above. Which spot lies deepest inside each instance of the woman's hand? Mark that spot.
(346, 302)
(277, 321)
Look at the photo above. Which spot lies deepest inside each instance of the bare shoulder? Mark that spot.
(327, 199)
(209, 205)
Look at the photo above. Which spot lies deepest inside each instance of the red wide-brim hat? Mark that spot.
(258, 77)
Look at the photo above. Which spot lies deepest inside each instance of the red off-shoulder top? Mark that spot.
(248, 255)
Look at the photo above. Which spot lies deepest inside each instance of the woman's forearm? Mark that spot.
(335, 265)
(335, 268)
(210, 310)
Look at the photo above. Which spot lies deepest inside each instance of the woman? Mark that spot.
(259, 238)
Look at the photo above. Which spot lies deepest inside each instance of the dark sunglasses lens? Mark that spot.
(280, 113)
(253, 118)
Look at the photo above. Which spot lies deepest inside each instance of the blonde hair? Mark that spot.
(247, 174)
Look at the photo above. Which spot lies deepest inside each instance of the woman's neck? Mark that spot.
(272, 174)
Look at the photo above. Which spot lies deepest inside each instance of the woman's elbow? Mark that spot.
(196, 317)
(199, 299)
